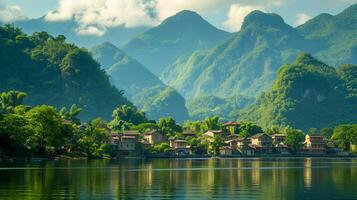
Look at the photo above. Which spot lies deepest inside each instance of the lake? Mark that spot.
(258, 178)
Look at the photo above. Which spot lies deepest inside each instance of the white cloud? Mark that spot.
(10, 13)
(301, 18)
(90, 30)
(236, 15)
(94, 16)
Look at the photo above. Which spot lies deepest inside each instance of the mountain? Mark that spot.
(142, 87)
(336, 36)
(119, 35)
(178, 35)
(210, 105)
(308, 93)
(56, 73)
(245, 64)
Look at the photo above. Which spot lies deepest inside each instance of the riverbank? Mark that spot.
(40, 159)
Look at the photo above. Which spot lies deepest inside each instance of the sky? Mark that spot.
(95, 16)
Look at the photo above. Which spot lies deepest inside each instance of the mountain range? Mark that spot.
(247, 63)
(221, 73)
(142, 87)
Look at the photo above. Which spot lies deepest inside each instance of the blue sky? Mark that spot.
(225, 14)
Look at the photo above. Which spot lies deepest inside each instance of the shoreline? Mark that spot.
(39, 159)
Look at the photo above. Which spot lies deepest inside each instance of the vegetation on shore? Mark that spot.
(32, 131)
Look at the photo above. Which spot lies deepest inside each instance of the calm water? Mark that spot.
(181, 179)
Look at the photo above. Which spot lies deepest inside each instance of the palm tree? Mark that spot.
(9, 100)
(211, 123)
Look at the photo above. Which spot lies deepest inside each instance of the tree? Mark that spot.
(345, 135)
(249, 127)
(72, 114)
(327, 132)
(128, 114)
(49, 134)
(9, 100)
(14, 132)
(197, 147)
(216, 144)
(294, 139)
(161, 148)
(168, 126)
(211, 123)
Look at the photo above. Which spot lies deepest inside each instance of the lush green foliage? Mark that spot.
(168, 126)
(211, 105)
(294, 139)
(125, 116)
(306, 94)
(345, 135)
(161, 148)
(54, 72)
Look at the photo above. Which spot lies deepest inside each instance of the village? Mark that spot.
(132, 143)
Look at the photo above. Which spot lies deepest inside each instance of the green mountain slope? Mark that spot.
(307, 93)
(336, 36)
(142, 87)
(54, 72)
(228, 108)
(245, 64)
(178, 35)
(119, 35)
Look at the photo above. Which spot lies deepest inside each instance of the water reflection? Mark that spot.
(181, 178)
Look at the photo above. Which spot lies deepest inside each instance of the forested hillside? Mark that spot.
(335, 36)
(54, 72)
(247, 63)
(308, 93)
(142, 87)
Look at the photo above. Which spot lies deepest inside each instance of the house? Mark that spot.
(232, 127)
(244, 146)
(232, 144)
(131, 133)
(211, 134)
(278, 138)
(231, 141)
(225, 151)
(262, 143)
(179, 146)
(314, 145)
(155, 137)
(281, 149)
(126, 144)
(188, 133)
